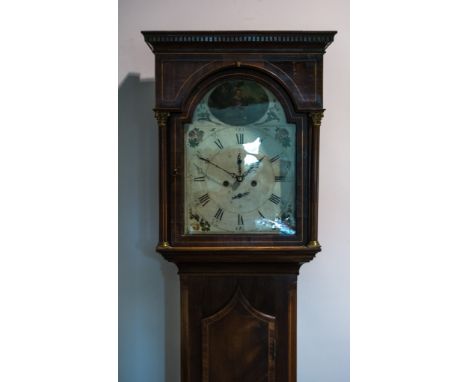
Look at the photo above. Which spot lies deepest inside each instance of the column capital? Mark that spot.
(316, 117)
(162, 117)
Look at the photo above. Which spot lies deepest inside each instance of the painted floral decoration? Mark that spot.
(195, 136)
(198, 223)
(270, 116)
(202, 113)
(282, 135)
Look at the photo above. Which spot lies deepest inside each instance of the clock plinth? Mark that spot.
(239, 117)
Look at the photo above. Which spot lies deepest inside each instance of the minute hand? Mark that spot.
(208, 177)
(255, 165)
(214, 164)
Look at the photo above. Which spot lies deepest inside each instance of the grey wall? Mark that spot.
(148, 286)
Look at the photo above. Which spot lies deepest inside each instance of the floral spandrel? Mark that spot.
(282, 136)
(195, 136)
(203, 115)
(198, 223)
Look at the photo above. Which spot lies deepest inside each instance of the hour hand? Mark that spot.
(239, 164)
(240, 195)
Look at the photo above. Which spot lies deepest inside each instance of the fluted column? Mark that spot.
(162, 117)
(315, 118)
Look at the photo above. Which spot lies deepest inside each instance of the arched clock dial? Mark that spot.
(240, 163)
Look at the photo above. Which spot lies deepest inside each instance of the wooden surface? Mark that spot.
(238, 327)
(239, 343)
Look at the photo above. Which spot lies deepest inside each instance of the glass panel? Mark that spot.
(240, 163)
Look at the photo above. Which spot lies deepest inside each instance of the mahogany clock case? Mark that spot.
(238, 291)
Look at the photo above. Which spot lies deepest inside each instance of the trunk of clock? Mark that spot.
(238, 325)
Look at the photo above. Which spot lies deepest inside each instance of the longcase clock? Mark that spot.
(239, 115)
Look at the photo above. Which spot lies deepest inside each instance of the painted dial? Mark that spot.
(240, 177)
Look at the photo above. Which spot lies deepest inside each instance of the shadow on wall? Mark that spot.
(148, 285)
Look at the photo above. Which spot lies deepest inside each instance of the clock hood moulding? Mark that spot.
(306, 41)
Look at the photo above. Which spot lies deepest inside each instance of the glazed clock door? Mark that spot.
(240, 161)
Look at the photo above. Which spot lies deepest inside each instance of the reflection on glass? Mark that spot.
(252, 147)
(275, 225)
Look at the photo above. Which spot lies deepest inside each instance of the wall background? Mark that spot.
(148, 286)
